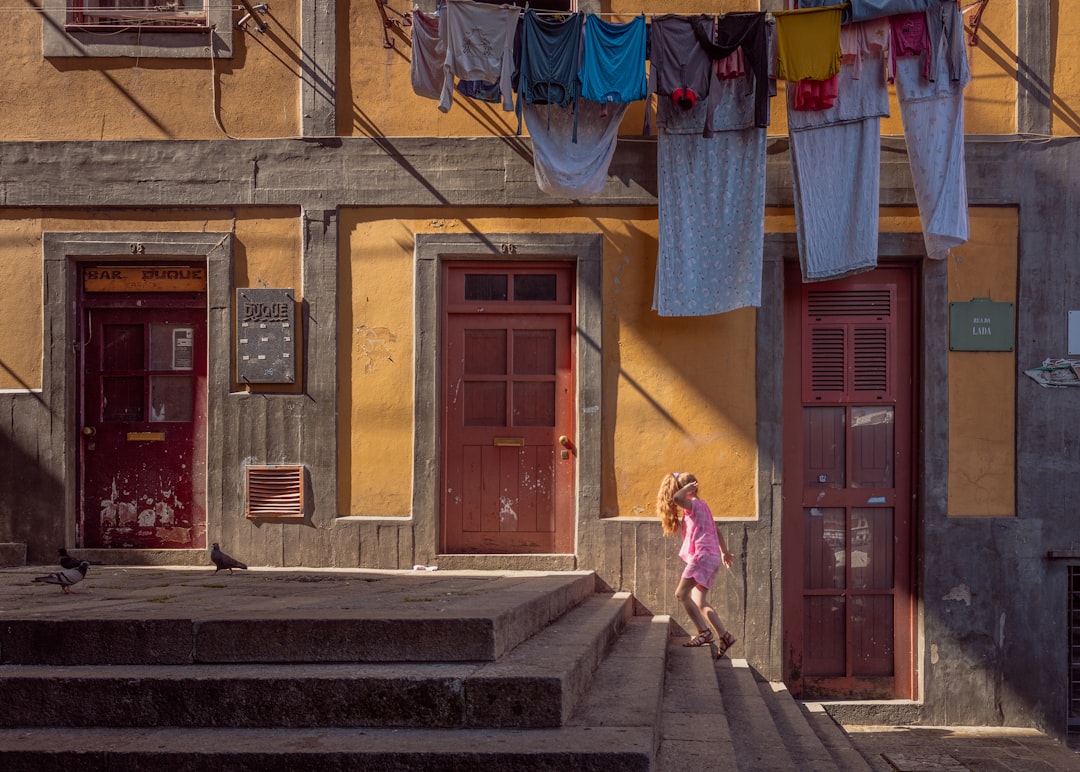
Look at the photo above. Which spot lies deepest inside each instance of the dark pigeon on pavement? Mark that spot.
(66, 561)
(223, 561)
(67, 577)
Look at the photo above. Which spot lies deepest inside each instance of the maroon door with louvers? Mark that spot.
(508, 407)
(142, 426)
(848, 442)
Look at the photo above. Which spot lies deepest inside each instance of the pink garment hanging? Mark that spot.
(909, 37)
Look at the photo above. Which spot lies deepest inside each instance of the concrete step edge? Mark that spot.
(471, 632)
(562, 658)
(583, 749)
(802, 741)
(628, 687)
(694, 726)
(758, 742)
(834, 738)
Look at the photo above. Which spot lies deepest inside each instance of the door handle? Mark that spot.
(565, 442)
(89, 431)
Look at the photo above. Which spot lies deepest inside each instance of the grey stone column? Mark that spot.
(318, 68)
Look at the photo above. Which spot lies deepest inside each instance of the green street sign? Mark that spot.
(981, 325)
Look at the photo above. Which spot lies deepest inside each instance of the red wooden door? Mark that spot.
(848, 425)
(142, 459)
(508, 409)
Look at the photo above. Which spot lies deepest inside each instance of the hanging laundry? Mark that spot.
(489, 91)
(681, 69)
(743, 32)
(550, 59)
(613, 61)
(845, 17)
(566, 168)
(910, 38)
(731, 66)
(808, 43)
(822, 94)
(428, 55)
(835, 156)
(932, 112)
(479, 46)
(945, 27)
(711, 205)
(865, 10)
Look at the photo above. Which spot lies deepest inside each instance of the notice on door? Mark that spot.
(183, 348)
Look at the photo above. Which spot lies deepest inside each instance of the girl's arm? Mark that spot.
(685, 495)
(724, 554)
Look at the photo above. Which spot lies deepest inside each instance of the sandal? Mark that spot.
(726, 642)
(703, 638)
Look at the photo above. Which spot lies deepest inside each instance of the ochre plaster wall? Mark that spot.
(982, 384)
(678, 392)
(266, 252)
(257, 91)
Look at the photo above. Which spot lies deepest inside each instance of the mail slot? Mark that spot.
(146, 436)
(509, 442)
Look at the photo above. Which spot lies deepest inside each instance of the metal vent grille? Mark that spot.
(275, 492)
(869, 302)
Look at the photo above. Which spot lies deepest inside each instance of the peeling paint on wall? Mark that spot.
(507, 516)
(960, 592)
(374, 345)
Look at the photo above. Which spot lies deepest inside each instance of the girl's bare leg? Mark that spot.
(697, 597)
(683, 593)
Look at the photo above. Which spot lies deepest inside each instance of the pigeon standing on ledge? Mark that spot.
(223, 561)
(67, 577)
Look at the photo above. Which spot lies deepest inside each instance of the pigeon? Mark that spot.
(67, 577)
(66, 561)
(223, 561)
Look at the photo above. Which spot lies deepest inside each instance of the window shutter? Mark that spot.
(846, 344)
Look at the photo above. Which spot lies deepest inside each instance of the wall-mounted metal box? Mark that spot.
(981, 325)
(265, 335)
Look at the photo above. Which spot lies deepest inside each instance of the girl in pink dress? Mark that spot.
(703, 550)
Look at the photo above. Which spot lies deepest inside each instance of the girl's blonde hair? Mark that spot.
(666, 508)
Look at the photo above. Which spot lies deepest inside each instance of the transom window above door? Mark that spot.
(480, 285)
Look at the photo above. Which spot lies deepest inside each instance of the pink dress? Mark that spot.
(701, 544)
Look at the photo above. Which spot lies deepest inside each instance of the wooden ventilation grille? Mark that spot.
(827, 366)
(871, 359)
(275, 492)
(868, 302)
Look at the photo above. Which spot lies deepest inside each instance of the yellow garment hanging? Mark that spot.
(808, 43)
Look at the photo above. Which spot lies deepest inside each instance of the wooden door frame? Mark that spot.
(139, 305)
(905, 627)
(62, 254)
(586, 250)
(558, 316)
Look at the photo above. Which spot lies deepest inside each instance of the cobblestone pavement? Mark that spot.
(963, 749)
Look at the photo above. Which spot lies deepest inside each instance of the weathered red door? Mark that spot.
(508, 408)
(848, 427)
(142, 459)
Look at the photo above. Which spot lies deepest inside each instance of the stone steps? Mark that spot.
(612, 728)
(458, 673)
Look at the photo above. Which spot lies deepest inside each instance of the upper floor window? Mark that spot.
(167, 29)
(145, 14)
